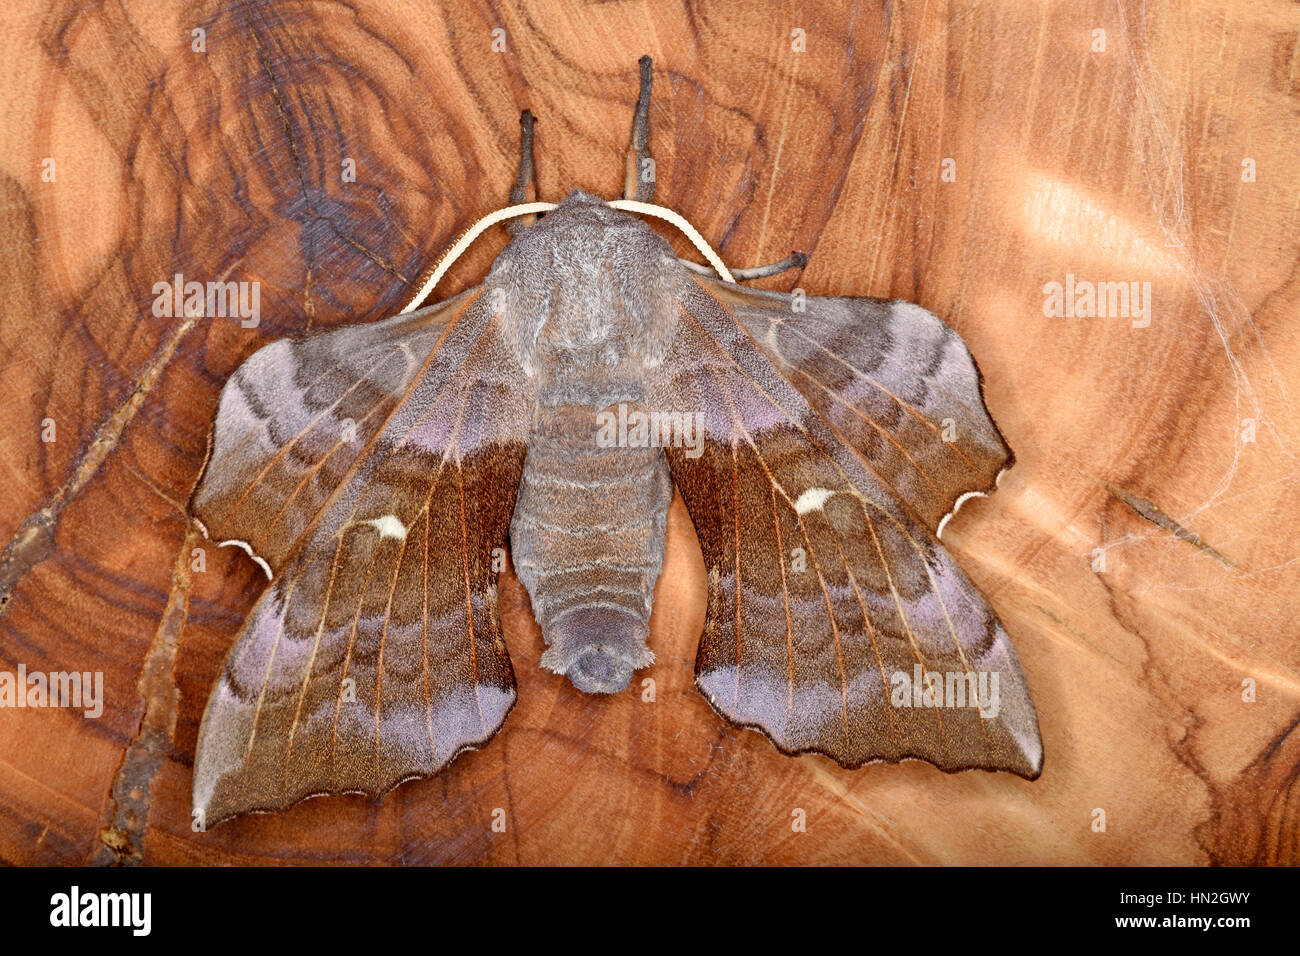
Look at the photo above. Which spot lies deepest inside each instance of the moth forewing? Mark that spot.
(895, 382)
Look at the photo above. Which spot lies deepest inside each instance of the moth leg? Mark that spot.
(525, 187)
(639, 180)
(795, 260)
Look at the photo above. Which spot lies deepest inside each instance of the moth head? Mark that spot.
(598, 649)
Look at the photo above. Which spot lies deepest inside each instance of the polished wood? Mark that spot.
(1139, 553)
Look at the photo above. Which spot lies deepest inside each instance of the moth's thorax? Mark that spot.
(588, 287)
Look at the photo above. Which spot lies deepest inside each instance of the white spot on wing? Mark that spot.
(389, 526)
(812, 500)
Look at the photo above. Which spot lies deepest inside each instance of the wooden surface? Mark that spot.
(1117, 165)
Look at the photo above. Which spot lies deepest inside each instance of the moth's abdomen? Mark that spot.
(588, 544)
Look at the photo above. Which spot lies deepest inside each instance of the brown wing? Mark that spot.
(893, 380)
(825, 592)
(295, 417)
(374, 468)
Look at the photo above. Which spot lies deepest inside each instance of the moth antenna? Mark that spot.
(525, 188)
(639, 179)
(463, 242)
(532, 208)
(795, 260)
(662, 212)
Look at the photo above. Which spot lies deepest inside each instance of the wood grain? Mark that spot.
(1117, 165)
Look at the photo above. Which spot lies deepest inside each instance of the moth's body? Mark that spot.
(588, 530)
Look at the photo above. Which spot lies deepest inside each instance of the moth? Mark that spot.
(377, 472)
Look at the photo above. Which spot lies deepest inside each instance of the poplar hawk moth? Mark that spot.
(375, 470)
